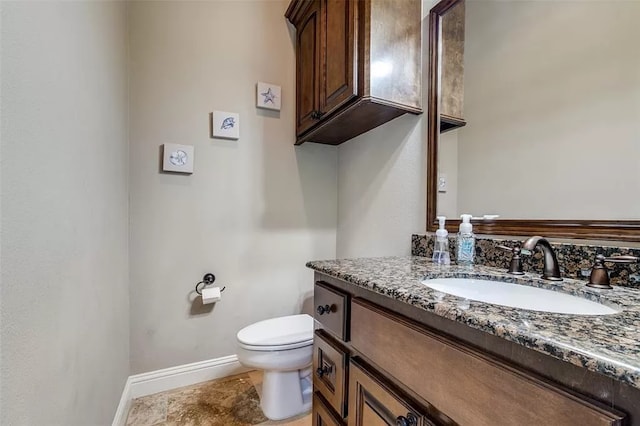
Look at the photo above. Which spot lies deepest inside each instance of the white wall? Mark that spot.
(552, 103)
(255, 210)
(382, 182)
(64, 295)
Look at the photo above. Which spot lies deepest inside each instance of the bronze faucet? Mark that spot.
(551, 269)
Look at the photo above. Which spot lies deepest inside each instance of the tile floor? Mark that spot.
(231, 401)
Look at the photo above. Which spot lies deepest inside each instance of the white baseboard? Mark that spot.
(120, 418)
(174, 377)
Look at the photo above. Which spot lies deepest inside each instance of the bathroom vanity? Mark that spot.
(390, 350)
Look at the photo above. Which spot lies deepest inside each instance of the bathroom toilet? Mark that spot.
(281, 347)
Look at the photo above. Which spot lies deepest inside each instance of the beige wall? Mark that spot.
(381, 190)
(552, 102)
(448, 166)
(64, 293)
(255, 210)
(382, 182)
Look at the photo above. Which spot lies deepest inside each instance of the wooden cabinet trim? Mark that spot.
(465, 382)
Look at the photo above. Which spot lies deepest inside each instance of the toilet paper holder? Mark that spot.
(208, 279)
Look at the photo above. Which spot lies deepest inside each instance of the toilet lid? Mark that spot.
(278, 331)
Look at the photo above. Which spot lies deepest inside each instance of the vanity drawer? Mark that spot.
(332, 310)
(372, 402)
(330, 364)
(322, 415)
(467, 386)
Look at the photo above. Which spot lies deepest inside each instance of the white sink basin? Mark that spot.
(518, 296)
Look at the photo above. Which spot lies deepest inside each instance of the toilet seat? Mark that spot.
(278, 334)
(276, 348)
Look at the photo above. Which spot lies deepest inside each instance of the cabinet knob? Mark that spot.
(316, 115)
(409, 420)
(324, 371)
(326, 309)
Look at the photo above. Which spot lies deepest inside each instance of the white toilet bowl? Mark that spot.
(283, 348)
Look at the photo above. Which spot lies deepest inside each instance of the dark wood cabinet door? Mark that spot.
(322, 415)
(371, 403)
(330, 369)
(338, 79)
(308, 45)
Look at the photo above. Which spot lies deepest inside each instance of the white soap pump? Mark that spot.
(441, 254)
(466, 242)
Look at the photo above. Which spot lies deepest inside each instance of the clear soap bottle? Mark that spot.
(466, 242)
(441, 254)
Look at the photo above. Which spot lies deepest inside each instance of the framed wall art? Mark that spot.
(268, 96)
(225, 125)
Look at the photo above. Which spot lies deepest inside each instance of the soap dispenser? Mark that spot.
(466, 242)
(441, 254)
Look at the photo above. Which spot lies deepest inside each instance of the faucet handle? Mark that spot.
(617, 259)
(515, 265)
(599, 277)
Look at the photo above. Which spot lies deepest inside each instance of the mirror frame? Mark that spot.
(626, 230)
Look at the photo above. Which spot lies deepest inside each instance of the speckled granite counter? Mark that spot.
(609, 345)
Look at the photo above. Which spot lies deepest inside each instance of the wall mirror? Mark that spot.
(534, 117)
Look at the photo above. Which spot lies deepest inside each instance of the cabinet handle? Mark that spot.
(322, 371)
(316, 115)
(326, 309)
(409, 420)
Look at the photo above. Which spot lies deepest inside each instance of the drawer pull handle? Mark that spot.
(326, 309)
(410, 420)
(324, 371)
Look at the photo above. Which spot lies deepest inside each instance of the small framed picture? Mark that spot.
(177, 158)
(268, 96)
(225, 125)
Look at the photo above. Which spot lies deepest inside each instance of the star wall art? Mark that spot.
(268, 96)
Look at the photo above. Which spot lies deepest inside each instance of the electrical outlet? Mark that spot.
(442, 183)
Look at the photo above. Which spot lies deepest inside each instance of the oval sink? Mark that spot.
(518, 296)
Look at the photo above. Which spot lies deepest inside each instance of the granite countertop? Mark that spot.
(608, 344)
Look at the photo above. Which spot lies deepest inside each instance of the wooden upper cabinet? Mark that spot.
(338, 54)
(359, 65)
(308, 67)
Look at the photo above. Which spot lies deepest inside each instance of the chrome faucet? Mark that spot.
(551, 269)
